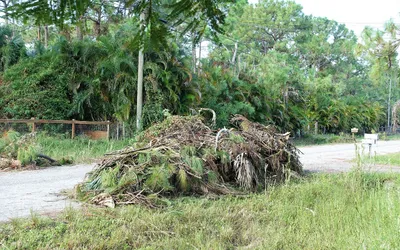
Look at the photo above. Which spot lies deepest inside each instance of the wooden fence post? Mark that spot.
(73, 129)
(73, 123)
(33, 125)
(108, 130)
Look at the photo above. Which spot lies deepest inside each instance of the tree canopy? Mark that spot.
(268, 61)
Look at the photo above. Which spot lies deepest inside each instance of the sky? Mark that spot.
(356, 14)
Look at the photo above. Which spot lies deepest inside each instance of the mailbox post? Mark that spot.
(353, 131)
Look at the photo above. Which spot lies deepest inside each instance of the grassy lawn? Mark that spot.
(392, 137)
(392, 159)
(344, 211)
(80, 149)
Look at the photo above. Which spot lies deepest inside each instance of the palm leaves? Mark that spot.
(49, 12)
(12, 47)
(117, 73)
(107, 68)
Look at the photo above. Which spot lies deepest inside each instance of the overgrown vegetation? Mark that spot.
(344, 211)
(80, 149)
(282, 67)
(18, 151)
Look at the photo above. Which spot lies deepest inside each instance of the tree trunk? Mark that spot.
(238, 67)
(97, 29)
(199, 62)
(123, 130)
(117, 131)
(6, 16)
(97, 23)
(193, 54)
(395, 109)
(46, 36)
(79, 33)
(79, 28)
(39, 37)
(233, 61)
(389, 101)
(6, 5)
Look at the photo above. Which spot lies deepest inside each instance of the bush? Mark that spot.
(35, 87)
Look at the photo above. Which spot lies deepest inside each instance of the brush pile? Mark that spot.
(17, 152)
(182, 155)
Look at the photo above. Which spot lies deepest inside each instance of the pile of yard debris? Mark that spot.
(182, 155)
(18, 152)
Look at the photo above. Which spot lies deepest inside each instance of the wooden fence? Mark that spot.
(73, 122)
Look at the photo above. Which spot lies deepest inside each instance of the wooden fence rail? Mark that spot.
(73, 122)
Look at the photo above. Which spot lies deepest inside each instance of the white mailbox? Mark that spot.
(370, 140)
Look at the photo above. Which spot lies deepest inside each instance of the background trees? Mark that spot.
(270, 62)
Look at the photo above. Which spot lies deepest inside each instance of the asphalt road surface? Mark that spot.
(340, 157)
(22, 193)
(38, 190)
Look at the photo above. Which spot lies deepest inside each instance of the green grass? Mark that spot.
(392, 159)
(321, 139)
(390, 137)
(80, 149)
(344, 211)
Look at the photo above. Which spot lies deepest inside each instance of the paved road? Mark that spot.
(38, 190)
(23, 192)
(339, 157)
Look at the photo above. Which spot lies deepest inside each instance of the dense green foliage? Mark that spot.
(272, 63)
(36, 89)
(345, 211)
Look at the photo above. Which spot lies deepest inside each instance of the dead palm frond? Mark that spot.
(179, 156)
